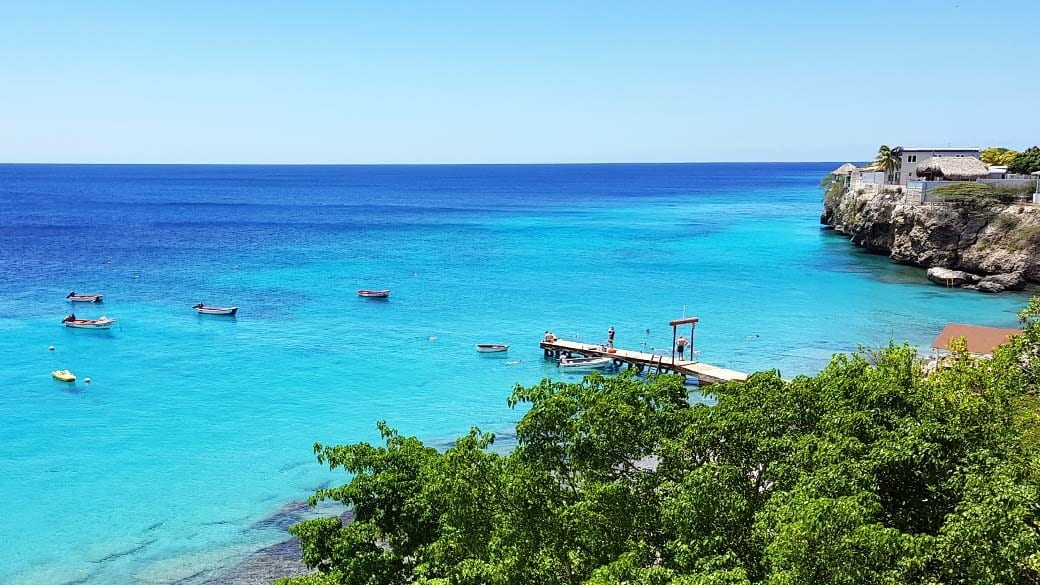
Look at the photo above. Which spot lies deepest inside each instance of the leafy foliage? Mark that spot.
(887, 160)
(833, 188)
(870, 472)
(998, 156)
(1026, 162)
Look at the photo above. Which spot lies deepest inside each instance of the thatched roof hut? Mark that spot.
(845, 169)
(952, 168)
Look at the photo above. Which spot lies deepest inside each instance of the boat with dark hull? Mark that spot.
(87, 298)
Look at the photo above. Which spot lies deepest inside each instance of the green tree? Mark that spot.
(887, 160)
(870, 472)
(1026, 162)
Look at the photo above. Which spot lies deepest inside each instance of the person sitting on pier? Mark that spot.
(549, 337)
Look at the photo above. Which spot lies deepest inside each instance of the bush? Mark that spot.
(982, 193)
(1023, 237)
(833, 191)
(1006, 222)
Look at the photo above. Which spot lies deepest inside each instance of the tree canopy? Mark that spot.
(887, 159)
(870, 472)
(1026, 162)
(998, 156)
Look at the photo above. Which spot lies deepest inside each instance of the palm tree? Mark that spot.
(887, 160)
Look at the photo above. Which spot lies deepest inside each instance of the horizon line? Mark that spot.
(415, 164)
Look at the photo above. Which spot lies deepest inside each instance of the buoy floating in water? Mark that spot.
(51, 348)
(87, 380)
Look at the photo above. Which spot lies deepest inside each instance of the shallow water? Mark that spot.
(195, 429)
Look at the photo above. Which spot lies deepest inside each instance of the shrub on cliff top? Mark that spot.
(869, 472)
(834, 188)
(981, 193)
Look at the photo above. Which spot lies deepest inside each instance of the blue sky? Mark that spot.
(487, 82)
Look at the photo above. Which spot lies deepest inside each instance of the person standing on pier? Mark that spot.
(680, 346)
(610, 336)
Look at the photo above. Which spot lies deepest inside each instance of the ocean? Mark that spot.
(195, 430)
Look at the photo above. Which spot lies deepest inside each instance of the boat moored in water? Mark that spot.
(586, 363)
(492, 347)
(99, 323)
(374, 294)
(89, 298)
(63, 376)
(204, 310)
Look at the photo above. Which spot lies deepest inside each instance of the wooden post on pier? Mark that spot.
(692, 321)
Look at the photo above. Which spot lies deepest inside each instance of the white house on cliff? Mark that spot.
(924, 169)
(912, 157)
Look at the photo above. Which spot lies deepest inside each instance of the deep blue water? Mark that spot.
(194, 429)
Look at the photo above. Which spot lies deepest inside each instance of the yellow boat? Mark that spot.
(64, 375)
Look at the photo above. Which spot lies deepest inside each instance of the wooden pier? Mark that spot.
(642, 361)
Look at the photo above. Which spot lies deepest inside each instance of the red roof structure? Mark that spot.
(981, 340)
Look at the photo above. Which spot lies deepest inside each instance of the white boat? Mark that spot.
(86, 298)
(99, 323)
(587, 363)
(204, 310)
(492, 347)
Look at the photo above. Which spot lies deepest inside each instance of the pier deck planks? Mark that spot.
(705, 373)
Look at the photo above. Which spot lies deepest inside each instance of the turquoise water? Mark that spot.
(195, 429)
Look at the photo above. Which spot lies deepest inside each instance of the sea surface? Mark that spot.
(195, 430)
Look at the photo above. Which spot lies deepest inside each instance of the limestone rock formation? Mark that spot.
(997, 246)
(949, 277)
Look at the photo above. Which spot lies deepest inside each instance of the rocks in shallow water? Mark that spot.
(1002, 282)
(289, 514)
(993, 283)
(948, 277)
(283, 559)
(988, 286)
(265, 566)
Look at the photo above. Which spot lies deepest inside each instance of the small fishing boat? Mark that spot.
(91, 298)
(586, 363)
(492, 347)
(204, 310)
(374, 294)
(63, 375)
(99, 323)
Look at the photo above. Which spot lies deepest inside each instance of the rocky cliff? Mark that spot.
(976, 244)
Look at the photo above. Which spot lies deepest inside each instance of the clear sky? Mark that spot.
(526, 81)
